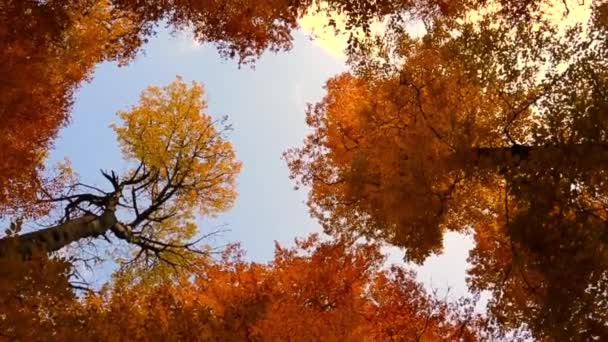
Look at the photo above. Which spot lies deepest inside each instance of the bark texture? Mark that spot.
(56, 237)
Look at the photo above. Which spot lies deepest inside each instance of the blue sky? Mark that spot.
(266, 106)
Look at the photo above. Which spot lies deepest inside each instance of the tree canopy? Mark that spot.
(491, 122)
(329, 291)
(484, 125)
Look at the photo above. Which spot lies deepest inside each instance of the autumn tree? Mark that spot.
(490, 123)
(339, 291)
(315, 291)
(34, 295)
(180, 166)
(48, 49)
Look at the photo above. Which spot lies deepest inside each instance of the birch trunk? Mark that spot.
(55, 238)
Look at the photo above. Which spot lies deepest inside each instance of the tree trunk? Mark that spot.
(54, 238)
(581, 156)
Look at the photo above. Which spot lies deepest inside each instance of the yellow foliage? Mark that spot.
(172, 138)
(189, 168)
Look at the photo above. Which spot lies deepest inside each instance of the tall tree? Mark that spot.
(487, 123)
(180, 165)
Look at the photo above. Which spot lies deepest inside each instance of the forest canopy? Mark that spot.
(490, 121)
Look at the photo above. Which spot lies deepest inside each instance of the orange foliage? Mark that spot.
(34, 297)
(494, 125)
(396, 154)
(48, 49)
(317, 291)
(381, 158)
